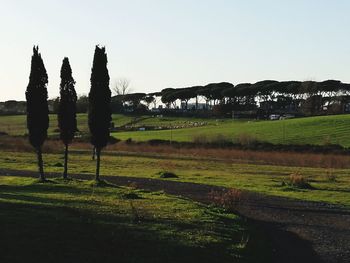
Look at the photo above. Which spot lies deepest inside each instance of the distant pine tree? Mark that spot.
(99, 105)
(37, 107)
(66, 115)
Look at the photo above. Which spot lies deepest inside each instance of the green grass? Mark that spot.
(75, 222)
(16, 125)
(312, 130)
(259, 178)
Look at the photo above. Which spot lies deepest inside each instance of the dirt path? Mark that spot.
(300, 231)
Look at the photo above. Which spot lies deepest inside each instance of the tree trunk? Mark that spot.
(98, 153)
(65, 162)
(40, 164)
(93, 153)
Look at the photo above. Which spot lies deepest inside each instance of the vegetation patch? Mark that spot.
(166, 174)
(57, 165)
(131, 195)
(297, 180)
(156, 228)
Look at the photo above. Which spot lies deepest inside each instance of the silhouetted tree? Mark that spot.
(99, 104)
(67, 121)
(148, 99)
(37, 107)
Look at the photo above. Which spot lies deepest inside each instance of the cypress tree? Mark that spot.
(99, 104)
(66, 115)
(37, 107)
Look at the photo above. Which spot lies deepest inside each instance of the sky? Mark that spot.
(158, 44)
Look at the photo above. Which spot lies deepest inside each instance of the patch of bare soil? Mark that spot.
(299, 231)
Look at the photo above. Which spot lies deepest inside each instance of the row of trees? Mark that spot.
(99, 117)
(247, 96)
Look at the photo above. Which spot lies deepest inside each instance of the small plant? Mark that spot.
(166, 174)
(58, 165)
(131, 196)
(133, 185)
(136, 217)
(229, 199)
(331, 177)
(297, 180)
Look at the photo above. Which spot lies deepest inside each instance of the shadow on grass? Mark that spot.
(60, 234)
(67, 230)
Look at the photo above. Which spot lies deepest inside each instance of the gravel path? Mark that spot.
(300, 231)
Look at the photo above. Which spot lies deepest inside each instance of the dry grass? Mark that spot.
(295, 159)
(297, 180)
(329, 161)
(229, 199)
(330, 176)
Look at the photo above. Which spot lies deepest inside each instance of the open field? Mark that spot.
(16, 125)
(328, 185)
(165, 223)
(313, 130)
(78, 221)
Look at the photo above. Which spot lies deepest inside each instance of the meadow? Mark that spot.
(79, 222)
(56, 219)
(321, 130)
(328, 185)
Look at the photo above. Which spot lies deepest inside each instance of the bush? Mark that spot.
(297, 180)
(229, 199)
(166, 174)
(58, 165)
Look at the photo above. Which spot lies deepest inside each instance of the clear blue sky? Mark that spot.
(175, 43)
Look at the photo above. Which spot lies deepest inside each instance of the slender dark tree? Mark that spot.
(37, 107)
(99, 104)
(66, 116)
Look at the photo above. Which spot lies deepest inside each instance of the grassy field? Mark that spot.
(312, 130)
(76, 222)
(329, 185)
(16, 125)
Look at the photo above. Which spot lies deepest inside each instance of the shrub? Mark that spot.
(131, 195)
(166, 174)
(297, 180)
(229, 199)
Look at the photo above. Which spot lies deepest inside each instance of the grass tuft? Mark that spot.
(166, 174)
(297, 180)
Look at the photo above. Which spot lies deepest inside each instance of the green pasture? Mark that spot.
(313, 130)
(265, 179)
(76, 221)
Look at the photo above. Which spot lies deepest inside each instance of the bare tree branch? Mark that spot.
(122, 86)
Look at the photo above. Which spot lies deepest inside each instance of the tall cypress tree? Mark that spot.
(99, 104)
(66, 115)
(37, 107)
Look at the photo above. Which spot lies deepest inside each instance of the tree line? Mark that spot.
(307, 97)
(99, 111)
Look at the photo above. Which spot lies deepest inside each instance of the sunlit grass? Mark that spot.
(260, 178)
